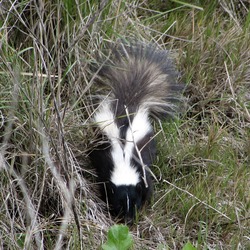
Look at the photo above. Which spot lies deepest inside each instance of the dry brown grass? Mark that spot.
(48, 198)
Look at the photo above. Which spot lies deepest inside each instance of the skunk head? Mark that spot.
(126, 200)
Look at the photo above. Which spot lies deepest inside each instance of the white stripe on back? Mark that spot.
(123, 173)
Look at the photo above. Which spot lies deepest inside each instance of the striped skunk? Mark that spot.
(143, 83)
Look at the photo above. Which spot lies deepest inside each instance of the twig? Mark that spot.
(136, 148)
(202, 202)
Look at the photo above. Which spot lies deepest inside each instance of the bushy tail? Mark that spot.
(141, 76)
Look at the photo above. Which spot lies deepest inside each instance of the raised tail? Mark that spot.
(141, 77)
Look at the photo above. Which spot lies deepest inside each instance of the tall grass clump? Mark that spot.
(48, 197)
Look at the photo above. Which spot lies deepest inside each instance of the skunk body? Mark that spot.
(143, 83)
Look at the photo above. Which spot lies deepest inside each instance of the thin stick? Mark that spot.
(137, 150)
(202, 202)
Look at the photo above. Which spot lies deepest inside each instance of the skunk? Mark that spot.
(143, 83)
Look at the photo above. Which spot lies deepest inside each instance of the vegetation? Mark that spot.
(118, 238)
(48, 198)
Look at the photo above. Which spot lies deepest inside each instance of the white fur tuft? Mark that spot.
(104, 117)
(140, 126)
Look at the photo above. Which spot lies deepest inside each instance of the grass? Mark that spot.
(48, 198)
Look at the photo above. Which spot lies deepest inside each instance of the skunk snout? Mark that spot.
(125, 201)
